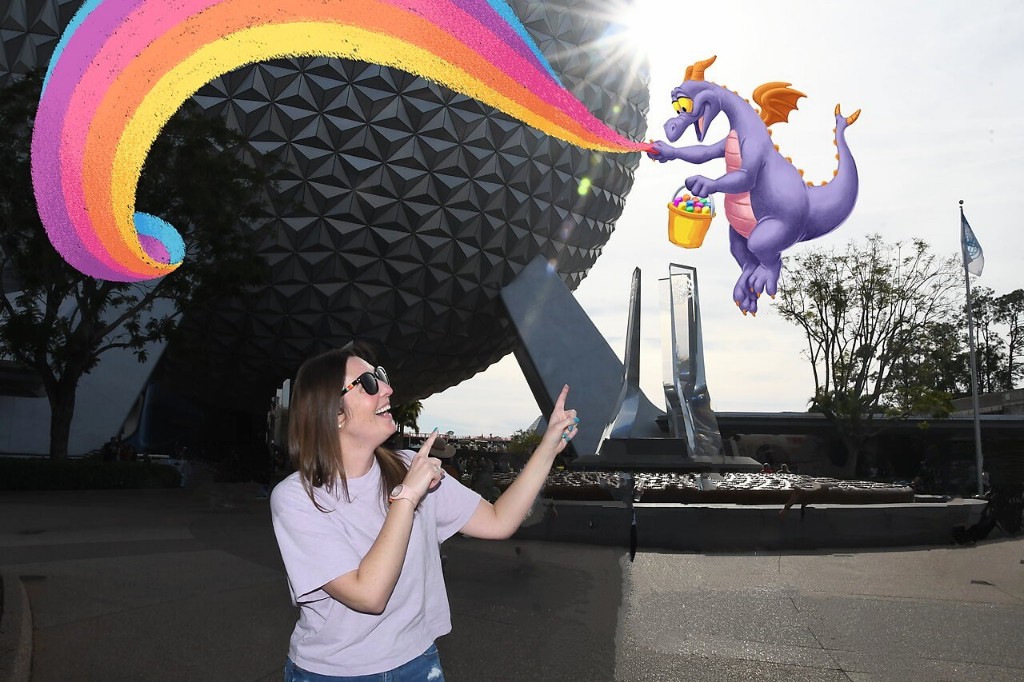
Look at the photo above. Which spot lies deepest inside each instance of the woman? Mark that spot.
(358, 526)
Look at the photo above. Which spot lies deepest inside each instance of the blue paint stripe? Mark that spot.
(506, 13)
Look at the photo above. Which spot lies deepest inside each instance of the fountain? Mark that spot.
(664, 478)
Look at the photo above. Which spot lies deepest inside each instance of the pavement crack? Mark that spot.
(828, 652)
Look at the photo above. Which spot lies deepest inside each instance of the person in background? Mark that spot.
(445, 451)
(183, 465)
(483, 479)
(358, 525)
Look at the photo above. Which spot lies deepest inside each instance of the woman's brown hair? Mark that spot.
(313, 443)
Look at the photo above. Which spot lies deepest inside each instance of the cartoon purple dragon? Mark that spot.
(767, 203)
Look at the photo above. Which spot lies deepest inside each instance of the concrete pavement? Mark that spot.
(185, 585)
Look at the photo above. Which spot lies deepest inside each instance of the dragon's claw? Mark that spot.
(744, 297)
(743, 293)
(700, 185)
(662, 152)
(765, 280)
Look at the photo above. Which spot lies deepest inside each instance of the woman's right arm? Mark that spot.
(369, 587)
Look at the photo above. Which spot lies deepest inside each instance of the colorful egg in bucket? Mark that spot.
(689, 218)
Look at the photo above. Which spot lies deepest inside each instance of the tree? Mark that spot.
(1009, 311)
(870, 315)
(59, 322)
(406, 415)
(524, 441)
(926, 377)
(990, 348)
(946, 361)
(521, 445)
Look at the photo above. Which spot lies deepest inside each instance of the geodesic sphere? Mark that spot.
(404, 208)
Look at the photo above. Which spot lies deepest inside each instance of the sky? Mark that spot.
(940, 88)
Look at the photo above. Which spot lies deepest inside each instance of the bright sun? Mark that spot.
(635, 20)
(627, 37)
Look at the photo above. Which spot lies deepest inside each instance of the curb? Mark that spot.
(15, 630)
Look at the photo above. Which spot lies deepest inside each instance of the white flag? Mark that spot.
(974, 257)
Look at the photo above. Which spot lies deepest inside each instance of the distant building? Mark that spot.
(808, 443)
(1003, 402)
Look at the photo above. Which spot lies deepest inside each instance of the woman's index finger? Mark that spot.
(560, 403)
(425, 448)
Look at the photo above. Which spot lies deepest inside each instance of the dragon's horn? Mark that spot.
(696, 72)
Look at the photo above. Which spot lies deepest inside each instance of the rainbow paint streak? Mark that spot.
(122, 69)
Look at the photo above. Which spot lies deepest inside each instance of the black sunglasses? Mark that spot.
(369, 381)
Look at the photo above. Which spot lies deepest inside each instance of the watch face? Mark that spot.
(396, 491)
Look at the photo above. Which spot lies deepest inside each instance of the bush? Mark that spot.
(43, 474)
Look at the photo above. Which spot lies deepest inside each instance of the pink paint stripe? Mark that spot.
(553, 92)
(63, 123)
(126, 42)
(51, 173)
(115, 34)
(484, 12)
(478, 37)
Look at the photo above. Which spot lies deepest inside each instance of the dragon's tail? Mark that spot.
(832, 202)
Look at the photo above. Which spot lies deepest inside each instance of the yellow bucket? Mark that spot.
(688, 228)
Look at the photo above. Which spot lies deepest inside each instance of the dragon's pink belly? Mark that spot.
(739, 213)
(737, 206)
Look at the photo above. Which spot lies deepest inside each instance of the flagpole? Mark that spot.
(978, 459)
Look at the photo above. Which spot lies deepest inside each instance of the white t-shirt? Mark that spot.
(317, 547)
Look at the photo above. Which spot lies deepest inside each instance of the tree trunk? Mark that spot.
(852, 443)
(849, 470)
(62, 411)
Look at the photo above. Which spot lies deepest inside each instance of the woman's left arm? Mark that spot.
(500, 520)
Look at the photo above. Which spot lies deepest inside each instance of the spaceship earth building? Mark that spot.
(404, 207)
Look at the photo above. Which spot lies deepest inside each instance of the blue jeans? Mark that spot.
(424, 668)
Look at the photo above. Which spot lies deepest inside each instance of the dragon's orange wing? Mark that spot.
(776, 100)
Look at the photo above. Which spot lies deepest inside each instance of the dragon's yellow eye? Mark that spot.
(683, 105)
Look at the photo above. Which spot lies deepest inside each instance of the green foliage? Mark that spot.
(873, 317)
(886, 332)
(42, 474)
(57, 321)
(1010, 313)
(999, 339)
(524, 442)
(406, 415)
